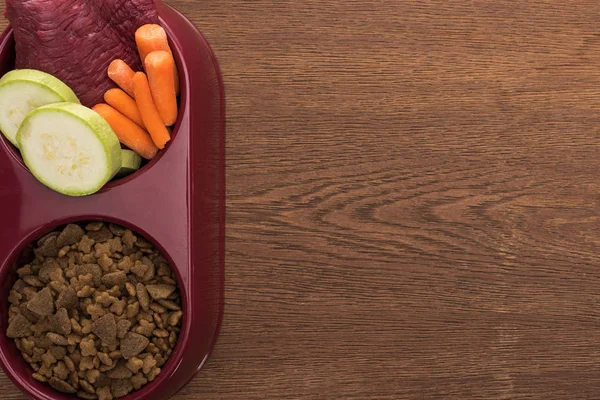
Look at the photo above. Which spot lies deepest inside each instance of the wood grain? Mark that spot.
(413, 199)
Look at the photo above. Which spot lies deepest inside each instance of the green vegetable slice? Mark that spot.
(69, 148)
(24, 90)
(131, 162)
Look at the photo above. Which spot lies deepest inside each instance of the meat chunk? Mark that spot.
(76, 40)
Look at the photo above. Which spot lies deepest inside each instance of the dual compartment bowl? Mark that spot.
(177, 202)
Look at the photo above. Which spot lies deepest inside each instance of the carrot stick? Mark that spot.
(124, 104)
(128, 132)
(122, 75)
(152, 120)
(152, 37)
(160, 67)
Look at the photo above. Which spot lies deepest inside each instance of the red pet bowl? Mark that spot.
(177, 202)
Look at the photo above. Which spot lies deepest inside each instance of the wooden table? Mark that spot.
(413, 199)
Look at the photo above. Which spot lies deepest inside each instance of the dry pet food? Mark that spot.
(97, 313)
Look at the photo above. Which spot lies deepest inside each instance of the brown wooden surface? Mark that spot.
(413, 199)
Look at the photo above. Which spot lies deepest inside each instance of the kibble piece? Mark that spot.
(69, 364)
(39, 377)
(33, 281)
(24, 271)
(58, 352)
(75, 326)
(94, 226)
(29, 292)
(67, 299)
(133, 344)
(169, 305)
(160, 291)
(48, 359)
(88, 347)
(104, 393)
(27, 345)
(48, 248)
(153, 374)
(158, 320)
(106, 368)
(123, 327)
(105, 299)
(42, 303)
(74, 339)
(157, 308)
(85, 385)
(117, 230)
(102, 381)
(70, 235)
(74, 379)
(30, 315)
(138, 381)
(93, 269)
(132, 310)
(121, 387)
(143, 297)
(125, 265)
(161, 333)
(118, 278)
(64, 251)
(145, 328)
(86, 363)
(45, 370)
(88, 259)
(106, 329)
(85, 291)
(168, 281)
(57, 287)
(118, 307)
(50, 271)
(175, 317)
(121, 372)
(101, 248)
(19, 327)
(116, 245)
(129, 239)
(152, 349)
(14, 297)
(134, 364)
(151, 272)
(92, 375)
(105, 359)
(105, 262)
(57, 339)
(61, 323)
(86, 244)
(149, 364)
(61, 385)
(142, 243)
(140, 269)
(101, 235)
(95, 311)
(160, 360)
(61, 371)
(86, 326)
(41, 327)
(146, 316)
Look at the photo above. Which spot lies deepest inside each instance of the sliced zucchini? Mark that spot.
(69, 148)
(24, 90)
(130, 162)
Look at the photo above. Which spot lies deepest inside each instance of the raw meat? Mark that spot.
(76, 40)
